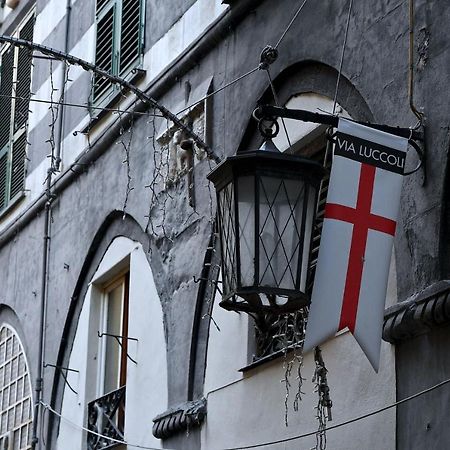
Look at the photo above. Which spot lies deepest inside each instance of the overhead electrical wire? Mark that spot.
(79, 105)
(341, 63)
(219, 90)
(290, 23)
(87, 430)
(347, 422)
(279, 441)
(250, 71)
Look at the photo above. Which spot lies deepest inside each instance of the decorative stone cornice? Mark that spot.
(179, 418)
(419, 314)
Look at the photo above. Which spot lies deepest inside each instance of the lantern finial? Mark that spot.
(269, 146)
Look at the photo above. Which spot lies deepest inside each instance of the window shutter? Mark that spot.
(6, 85)
(18, 166)
(23, 78)
(6, 89)
(3, 180)
(130, 42)
(101, 4)
(104, 54)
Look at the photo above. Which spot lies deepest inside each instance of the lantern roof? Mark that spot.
(266, 162)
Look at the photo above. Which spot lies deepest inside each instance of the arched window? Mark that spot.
(16, 413)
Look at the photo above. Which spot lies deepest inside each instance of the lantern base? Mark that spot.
(264, 302)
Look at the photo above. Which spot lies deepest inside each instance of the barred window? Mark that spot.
(16, 413)
(106, 413)
(15, 81)
(119, 45)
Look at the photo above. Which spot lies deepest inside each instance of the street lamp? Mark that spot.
(266, 206)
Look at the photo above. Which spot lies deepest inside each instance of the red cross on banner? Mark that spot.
(357, 236)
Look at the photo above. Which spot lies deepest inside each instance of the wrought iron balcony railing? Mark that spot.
(106, 416)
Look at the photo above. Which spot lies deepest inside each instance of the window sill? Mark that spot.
(108, 103)
(8, 209)
(266, 359)
(277, 355)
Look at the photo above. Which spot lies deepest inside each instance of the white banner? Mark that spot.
(357, 237)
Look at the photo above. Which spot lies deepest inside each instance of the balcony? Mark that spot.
(106, 416)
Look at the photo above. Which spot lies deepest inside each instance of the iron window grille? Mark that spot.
(119, 44)
(15, 90)
(105, 418)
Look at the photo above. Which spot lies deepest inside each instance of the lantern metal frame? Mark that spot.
(281, 167)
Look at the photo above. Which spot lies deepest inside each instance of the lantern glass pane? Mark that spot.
(281, 213)
(226, 212)
(246, 207)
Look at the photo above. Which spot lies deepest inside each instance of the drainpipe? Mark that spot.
(44, 287)
(50, 196)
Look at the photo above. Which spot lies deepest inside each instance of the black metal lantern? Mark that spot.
(266, 207)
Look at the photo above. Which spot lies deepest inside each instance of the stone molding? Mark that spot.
(179, 418)
(419, 314)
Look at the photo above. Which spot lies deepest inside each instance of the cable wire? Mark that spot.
(290, 24)
(280, 441)
(79, 105)
(342, 56)
(347, 422)
(277, 103)
(80, 427)
(250, 71)
(218, 90)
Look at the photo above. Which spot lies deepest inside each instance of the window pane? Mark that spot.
(246, 202)
(114, 327)
(281, 209)
(15, 392)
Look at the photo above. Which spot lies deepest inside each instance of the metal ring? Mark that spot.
(330, 135)
(421, 155)
(266, 125)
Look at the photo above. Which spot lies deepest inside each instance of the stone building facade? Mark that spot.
(129, 283)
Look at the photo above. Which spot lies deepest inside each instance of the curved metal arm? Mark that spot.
(113, 79)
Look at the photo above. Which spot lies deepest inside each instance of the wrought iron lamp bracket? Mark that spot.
(267, 115)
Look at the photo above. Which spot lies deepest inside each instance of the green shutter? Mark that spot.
(18, 166)
(3, 180)
(130, 42)
(23, 78)
(6, 89)
(119, 41)
(101, 4)
(15, 80)
(104, 54)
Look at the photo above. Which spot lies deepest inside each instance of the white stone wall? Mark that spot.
(146, 394)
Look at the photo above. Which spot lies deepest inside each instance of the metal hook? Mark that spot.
(118, 339)
(61, 371)
(214, 282)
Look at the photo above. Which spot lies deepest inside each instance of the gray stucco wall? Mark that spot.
(374, 86)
